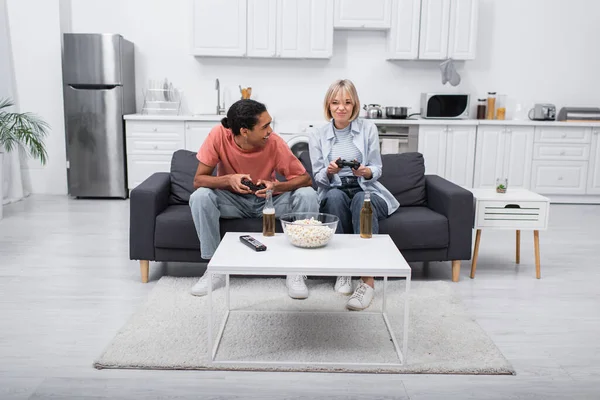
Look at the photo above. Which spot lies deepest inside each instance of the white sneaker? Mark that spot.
(362, 297)
(343, 285)
(201, 287)
(296, 287)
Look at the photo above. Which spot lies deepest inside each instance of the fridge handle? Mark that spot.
(92, 87)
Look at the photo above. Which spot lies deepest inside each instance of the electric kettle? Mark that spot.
(373, 111)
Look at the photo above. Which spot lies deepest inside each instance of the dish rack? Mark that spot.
(162, 101)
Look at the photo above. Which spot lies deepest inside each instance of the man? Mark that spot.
(243, 147)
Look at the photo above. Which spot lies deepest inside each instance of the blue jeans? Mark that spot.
(338, 203)
(208, 205)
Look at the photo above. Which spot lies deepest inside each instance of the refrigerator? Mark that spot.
(98, 89)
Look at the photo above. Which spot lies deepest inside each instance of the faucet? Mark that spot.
(220, 110)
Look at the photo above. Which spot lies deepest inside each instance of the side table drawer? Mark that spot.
(510, 214)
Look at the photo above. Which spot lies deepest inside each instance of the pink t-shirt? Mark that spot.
(220, 149)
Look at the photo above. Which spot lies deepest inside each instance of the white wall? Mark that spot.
(533, 51)
(36, 45)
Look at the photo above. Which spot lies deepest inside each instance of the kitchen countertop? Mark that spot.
(463, 122)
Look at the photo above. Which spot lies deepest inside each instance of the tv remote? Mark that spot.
(252, 243)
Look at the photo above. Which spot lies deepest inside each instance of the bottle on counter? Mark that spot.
(481, 108)
(491, 105)
(501, 107)
(366, 218)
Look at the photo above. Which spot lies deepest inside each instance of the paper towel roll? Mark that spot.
(390, 146)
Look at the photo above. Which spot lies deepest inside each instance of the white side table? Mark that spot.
(517, 209)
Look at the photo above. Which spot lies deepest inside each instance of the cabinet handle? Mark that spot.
(449, 130)
(562, 153)
(564, 135)
(156, 147)
(509, 130)
(560, 178)
(155, 129)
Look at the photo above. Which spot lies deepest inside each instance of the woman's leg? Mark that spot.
(337, 203)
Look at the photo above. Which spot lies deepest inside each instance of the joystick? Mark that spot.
(343, 163)
(252, 186)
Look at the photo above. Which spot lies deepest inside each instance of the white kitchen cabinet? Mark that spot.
(150, 146)
(563, 177)
(403, 37)
(262, 27)
(449, 151)
(195, 133)
(462, 37)
(360, 14)
(305, 28)
(593, 184)
(290, 28)
(448, 29)
(503, 152)
(219, 28)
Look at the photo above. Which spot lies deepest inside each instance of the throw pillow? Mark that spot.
(183, 169)
(404, 176)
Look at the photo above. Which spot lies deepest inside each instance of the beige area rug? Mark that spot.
(169, 330)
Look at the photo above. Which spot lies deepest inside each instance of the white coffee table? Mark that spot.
(345, 255)
(517, 209)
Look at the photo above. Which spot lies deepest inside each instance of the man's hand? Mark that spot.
(270, 185)
(235, 183)
(363, 171)
(333, 168)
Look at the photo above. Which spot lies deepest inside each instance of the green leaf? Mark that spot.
(23, 129)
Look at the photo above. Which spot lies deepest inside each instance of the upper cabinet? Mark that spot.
(433, 29)
(360, 14)
(219, 28)
(264, 28)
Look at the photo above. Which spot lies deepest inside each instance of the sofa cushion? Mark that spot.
(416, 228)
(183, 169)
(175, 228)
(404, 176)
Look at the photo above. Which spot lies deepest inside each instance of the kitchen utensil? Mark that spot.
(543, 112)
(373, 111)
(396, 112)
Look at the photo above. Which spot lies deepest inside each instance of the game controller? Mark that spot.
(252, 186)
(343, 163)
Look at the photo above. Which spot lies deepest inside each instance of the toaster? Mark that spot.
(543, 112)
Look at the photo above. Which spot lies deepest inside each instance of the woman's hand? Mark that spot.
(363, 171)
(270, 185)
(333, 168)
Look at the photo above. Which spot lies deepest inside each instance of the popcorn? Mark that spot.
(308, 233)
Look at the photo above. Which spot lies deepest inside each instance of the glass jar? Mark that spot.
(491, 105)
(501, 107)
(481, 108)
(501, 185)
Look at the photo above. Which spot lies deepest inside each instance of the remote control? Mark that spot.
(252, 186)
(252, 243)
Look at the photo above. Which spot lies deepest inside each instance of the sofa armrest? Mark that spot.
(147, 201)
(456, 204)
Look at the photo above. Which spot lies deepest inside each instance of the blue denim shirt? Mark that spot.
(366, 139)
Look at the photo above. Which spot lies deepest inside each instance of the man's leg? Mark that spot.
(300, 200)
(207, 206)
(337, 203)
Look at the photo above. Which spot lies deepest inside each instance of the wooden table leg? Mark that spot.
(536, 243)
(518, 255)
(475, 253)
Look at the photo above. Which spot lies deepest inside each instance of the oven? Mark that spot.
(396, 139)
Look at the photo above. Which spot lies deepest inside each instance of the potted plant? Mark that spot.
(501, 185)
(25, 130)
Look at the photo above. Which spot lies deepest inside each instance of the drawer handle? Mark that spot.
(560, 178)
(564, 135)
(154, 129)
(512, 206)
(562, 153)
(156, 147)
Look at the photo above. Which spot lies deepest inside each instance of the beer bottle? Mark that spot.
(269, 215)
(366, 218)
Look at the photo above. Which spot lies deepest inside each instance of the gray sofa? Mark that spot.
(433, 223)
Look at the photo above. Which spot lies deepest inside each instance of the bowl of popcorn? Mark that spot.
(309, 230)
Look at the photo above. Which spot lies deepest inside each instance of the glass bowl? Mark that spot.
(309, 230)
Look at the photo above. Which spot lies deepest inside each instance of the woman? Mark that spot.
(341, 191)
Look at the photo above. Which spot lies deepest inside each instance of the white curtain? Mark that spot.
(12, 177)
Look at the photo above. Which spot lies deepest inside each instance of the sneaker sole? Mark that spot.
(351, 308)
(344, 293)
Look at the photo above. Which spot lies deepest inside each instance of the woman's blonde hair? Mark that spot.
(335, 88)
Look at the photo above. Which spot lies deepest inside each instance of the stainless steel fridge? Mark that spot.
(99, 88)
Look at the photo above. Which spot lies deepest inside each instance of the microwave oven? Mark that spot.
(445, 105)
